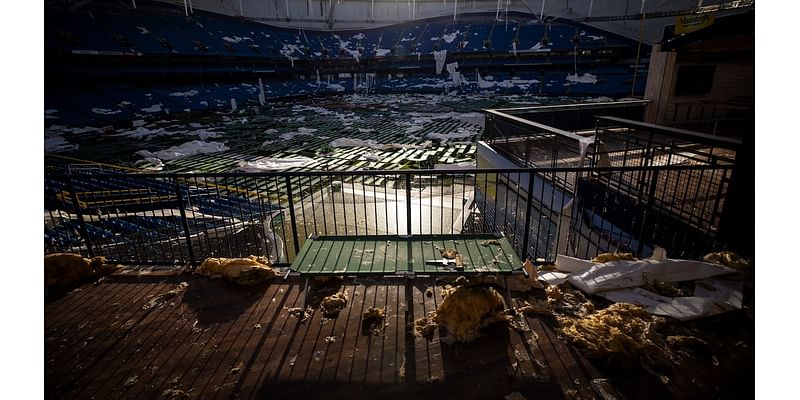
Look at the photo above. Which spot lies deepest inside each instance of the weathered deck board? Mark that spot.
(209, 343)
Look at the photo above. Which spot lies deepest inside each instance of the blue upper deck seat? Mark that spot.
(502, 37)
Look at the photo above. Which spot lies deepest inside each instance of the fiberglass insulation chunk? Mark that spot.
(244, 271)
(465, 310)
(65, 269)
(621, 330)
(332, 304)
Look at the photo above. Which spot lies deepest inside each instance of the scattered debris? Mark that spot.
(332, 304)
(669, 289)
(686, 341)
(68, 269)
(449, 253)
(728, 259)
(622, 330)
(161, 299)
(131, 381)
(174, 394)
(300, 313)
(372, 321)
(235, 370)
(538, 307)
(426, 326)
(257, 326)
(330, 339)
(553, 294)
(465, 310)
(492, 242)
(432, 379)
(606, 257)
(604, 389)
(244, 271)
(401, 372)
(547, 267)
(319, 355)
(293, 360)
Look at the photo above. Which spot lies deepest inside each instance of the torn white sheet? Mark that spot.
(153, 109)
(553, 277)
(626, 274)
(184, 150)
(188, 93)
(585, 78)
(440, 56)
(572, 264)
(105, 111)
(711, 296)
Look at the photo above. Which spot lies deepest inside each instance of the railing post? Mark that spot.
(185, 224)
(295, 239)
(408, 204)
(527, 215)
(651, 192)
(79, 213)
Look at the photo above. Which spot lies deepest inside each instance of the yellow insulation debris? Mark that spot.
(465, 310)
(66, 269)
(332, 304)
(622, 330)
(727, 259)
(372, 321)
(244, 271)
(606, 257)
(449, 253)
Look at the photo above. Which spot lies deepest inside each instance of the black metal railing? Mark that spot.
(184, 218)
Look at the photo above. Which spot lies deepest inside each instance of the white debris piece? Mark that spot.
(451, 36)
(153, 109)
(105, 111)
(625, 274)
(585, 78)
(188, 93)
(272, 164)
(185, 150)
(440, 56)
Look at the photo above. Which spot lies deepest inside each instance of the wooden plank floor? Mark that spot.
(216, 340)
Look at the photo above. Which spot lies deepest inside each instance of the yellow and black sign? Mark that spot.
(693, 22)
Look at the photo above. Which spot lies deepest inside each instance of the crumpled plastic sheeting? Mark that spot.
(622, 274)
(622, 330)
(465, 310)
(244, 271)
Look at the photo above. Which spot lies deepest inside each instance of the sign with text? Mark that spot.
(693, 22)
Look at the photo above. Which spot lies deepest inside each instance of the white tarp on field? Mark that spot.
(184, 150)
(272, 164)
